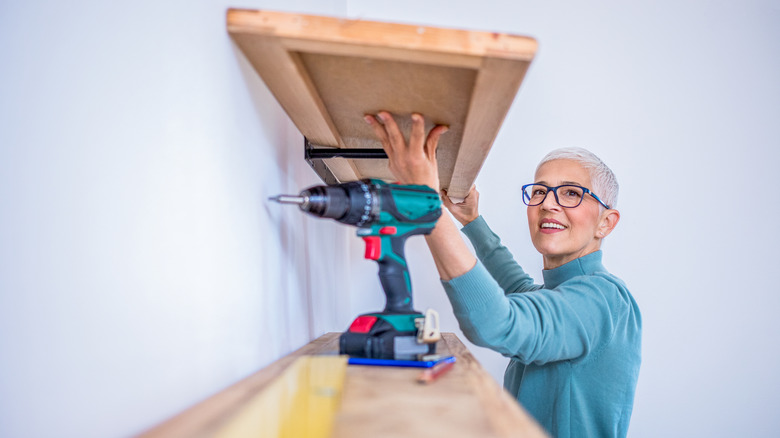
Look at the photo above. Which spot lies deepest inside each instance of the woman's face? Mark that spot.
(565, 234)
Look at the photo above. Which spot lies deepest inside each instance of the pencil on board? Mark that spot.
(429, 375)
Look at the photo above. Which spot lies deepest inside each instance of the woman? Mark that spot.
(574, 342)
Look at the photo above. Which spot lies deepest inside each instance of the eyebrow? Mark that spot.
(563, 183)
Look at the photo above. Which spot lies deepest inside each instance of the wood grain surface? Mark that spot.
(327, 73)
(382, 401)
(207, 417)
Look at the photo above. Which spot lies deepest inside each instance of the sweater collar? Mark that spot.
(585, 265)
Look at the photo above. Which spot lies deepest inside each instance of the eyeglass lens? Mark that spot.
(568, 196)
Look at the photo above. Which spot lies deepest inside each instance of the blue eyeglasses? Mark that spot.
(566, 195)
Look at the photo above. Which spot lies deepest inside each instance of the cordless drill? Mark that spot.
(386, 215)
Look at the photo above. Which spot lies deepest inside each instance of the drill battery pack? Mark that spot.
(384, 336)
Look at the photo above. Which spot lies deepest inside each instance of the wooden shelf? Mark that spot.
(381, 401)
(328, 72)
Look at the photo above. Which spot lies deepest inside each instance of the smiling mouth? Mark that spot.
(553, 226)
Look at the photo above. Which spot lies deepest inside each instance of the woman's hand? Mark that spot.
(413, 162)
(466, 211)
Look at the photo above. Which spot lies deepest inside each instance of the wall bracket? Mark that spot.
(315, 156)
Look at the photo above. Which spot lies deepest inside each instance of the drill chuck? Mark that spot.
(353, 203)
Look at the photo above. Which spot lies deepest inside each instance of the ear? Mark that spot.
(607, 222)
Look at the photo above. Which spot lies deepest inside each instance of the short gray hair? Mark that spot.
(605, 184)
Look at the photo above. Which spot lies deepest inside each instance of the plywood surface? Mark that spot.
(383, 401)
(328, 72)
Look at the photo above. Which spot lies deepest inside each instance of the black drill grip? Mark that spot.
(394, 276)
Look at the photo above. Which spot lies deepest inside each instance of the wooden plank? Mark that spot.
(328, 72)
(381, 401)
(497, 78)
(388, 53)
(351, 85)
(290, 84)
(309, 388)
(207, 417)
(380, 35)
(505, 419)
(465, 402)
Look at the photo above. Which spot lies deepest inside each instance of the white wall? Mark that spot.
(682, 100)
(141, 269)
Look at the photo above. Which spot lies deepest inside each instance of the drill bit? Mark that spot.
(288, 199)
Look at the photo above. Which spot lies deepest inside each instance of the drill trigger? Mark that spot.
(373, 247)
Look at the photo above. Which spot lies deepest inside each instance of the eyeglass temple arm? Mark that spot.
(598, 199)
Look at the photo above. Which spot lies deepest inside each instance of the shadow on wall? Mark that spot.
(289, 250)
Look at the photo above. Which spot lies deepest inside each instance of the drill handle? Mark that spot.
(393, 271)
(394, 276)
(387, 248)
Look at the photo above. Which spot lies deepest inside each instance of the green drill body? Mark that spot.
(386, 215)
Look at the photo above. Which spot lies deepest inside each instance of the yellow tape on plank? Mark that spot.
(300, 403)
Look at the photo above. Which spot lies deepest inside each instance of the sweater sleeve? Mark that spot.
(497, 259)
(538, 327)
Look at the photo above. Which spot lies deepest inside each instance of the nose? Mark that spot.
(550, 202)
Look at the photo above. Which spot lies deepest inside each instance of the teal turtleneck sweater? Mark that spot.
(574, 342)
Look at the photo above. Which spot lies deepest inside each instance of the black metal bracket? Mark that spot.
(315, 155)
